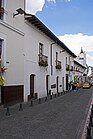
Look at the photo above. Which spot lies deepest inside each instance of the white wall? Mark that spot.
(22, 49)
(10, 7)
(32, 39)
(13, 43)
(31, 51)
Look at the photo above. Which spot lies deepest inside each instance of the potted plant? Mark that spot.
(3, 69)
(45, 64)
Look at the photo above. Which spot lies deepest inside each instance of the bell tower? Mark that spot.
(82, 57)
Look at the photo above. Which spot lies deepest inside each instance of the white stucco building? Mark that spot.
(37, 61)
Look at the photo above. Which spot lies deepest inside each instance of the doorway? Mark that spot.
(32, 78)
(47, 84)
(1, 41)
(66, 81)
(57, 83)
(63, 83)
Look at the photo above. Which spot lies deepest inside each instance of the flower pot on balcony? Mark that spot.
(58, 66)
(67, 69)
(41, 63)
(45, 64)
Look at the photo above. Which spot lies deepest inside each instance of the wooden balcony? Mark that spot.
(43, 60)
(58, 65)
(67, 67)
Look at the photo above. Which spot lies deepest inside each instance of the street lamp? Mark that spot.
(62, 51)
(19, 11)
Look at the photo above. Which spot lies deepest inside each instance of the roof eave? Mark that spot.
(38, 24)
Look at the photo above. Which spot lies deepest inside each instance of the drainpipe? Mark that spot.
(51, 51)
(69, 67)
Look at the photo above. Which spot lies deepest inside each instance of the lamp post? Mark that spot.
(62, 51)
(19, 11)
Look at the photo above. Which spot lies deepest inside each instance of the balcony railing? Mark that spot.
(43, 60)
(71, 68)
(58, 64)
(67, 67)
(77, 70)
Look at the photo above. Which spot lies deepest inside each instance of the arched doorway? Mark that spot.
(57, 82)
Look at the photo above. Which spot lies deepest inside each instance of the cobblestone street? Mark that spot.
(60, 118)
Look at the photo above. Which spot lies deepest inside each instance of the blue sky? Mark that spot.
(64, 17)
(70, 20)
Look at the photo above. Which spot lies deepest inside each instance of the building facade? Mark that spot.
(37, 63)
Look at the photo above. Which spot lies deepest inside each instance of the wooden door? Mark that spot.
(47, 84)
(57, 83)
(0, 66)
(32, 85)
(63, 83)
(66, 81)
(0, 95)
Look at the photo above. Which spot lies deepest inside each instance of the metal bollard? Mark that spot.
(20, 108)
(90, 121)
(7, 111)
(50, 96)
(58, 94)
(55, 95)
(88, 133)
(45, 98)
(31, 104)
(61, 93)
(39, 101)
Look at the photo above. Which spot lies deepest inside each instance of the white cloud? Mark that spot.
(65, 0)
(75, 41)
(52, 1)
(90, 60)
(33, 6)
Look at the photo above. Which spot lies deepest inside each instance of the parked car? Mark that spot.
(86, 85)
